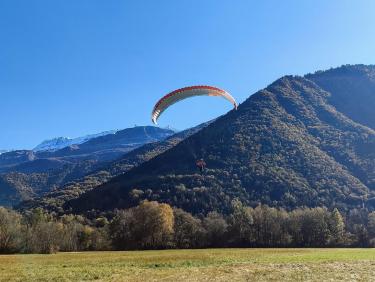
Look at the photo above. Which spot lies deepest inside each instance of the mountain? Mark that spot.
(3, 151)
(35, 173)
(62, 142)
(352, 89)
(302, 141)
(100, 148)
(13, 158)
(54, 200)
(54, 144)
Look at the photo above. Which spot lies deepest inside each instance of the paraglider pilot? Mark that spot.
(201, 164)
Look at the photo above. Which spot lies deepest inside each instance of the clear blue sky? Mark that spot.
(73, 67)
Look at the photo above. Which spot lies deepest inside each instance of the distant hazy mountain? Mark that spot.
(62, 142)
(27, 173)
(302, 141)
(3, 151)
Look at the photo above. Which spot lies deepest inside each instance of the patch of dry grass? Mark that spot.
(194, 265)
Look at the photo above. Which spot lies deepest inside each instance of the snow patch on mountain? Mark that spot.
(62, 142)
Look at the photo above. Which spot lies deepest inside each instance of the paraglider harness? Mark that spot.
(201, 164)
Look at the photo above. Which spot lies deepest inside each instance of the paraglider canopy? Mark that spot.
(187, 92)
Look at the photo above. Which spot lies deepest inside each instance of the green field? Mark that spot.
(194, 265)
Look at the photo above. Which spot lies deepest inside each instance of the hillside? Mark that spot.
(54, 200)
(26, 174)
(302, 141)
(352, 89)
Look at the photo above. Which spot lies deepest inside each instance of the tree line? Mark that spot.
(153, 225)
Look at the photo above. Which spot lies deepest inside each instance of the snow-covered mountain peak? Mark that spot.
(62, 142)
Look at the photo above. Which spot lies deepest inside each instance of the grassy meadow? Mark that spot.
(194, 265)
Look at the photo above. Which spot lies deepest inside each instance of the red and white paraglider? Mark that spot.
(187, 92)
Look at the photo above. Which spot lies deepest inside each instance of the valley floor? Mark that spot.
(194, 265)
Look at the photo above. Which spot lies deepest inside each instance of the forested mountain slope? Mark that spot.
(352, 89)
(291, 144)
(54, 200)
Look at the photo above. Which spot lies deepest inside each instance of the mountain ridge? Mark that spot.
(58, 143)
(34, 173)
(287, 145)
